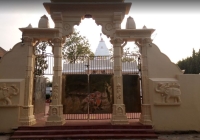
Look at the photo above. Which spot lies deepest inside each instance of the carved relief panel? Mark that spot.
(8, 91)
(119, 109)
(169, 93)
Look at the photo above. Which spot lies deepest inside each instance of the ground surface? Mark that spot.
(41, 118)
(161, 137)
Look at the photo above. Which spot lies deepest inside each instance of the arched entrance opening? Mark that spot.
(109, 16)
(88, 83)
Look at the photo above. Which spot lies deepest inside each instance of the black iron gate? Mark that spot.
(96, 104)
(87, 92)
(87, 87)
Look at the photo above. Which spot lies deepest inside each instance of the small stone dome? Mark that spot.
(43, 22)
(144, 27)
(130, 23)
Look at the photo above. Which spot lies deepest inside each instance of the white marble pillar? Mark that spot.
(118, 114)
(26, 113)
(145, 117)
(56, 108)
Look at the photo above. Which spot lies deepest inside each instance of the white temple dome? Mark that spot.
(102, 49)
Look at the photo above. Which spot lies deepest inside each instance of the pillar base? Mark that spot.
(28, 121)
(145, 117)
(145, 121)
(55, 121)
(119, 116)
(27, 118)
(55, 115)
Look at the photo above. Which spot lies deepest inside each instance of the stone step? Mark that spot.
(86, 136)
(85, 127)
(83, 131)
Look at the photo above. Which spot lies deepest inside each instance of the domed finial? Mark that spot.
(144, 27)
(43, 22)
(130, 23)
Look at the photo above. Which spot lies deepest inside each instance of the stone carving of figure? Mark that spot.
(7, 92)
(169, 90)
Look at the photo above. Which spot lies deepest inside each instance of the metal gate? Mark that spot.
(79, 89)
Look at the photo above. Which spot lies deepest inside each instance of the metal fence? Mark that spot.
(48, 60)
(100, 65)
(98, 116)
(93, 65)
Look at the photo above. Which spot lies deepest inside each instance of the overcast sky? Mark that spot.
(177, 23)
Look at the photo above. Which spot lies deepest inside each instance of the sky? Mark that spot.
(176, 24)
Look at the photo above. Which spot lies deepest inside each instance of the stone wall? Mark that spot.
(14, 63)
(2, 52)
(12, 87)
(174, 97)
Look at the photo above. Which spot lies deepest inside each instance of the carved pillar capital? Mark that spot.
(147, 40)
(143, 41)
(116, 41)
(57, 40)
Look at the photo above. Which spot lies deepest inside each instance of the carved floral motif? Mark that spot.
(67, 26)
(118, 91)
(169, 90)
(6, 93)
(55, 91)
(109, 26)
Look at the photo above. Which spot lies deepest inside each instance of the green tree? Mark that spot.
(191, 64)
(75, 47)
(128, 54)
(40, 59)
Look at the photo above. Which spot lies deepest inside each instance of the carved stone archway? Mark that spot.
(109, 15)
(66, 14)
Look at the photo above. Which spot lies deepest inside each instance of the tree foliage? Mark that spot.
(128, 54)
(40, 59)
(191, 64)
(76, 46)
